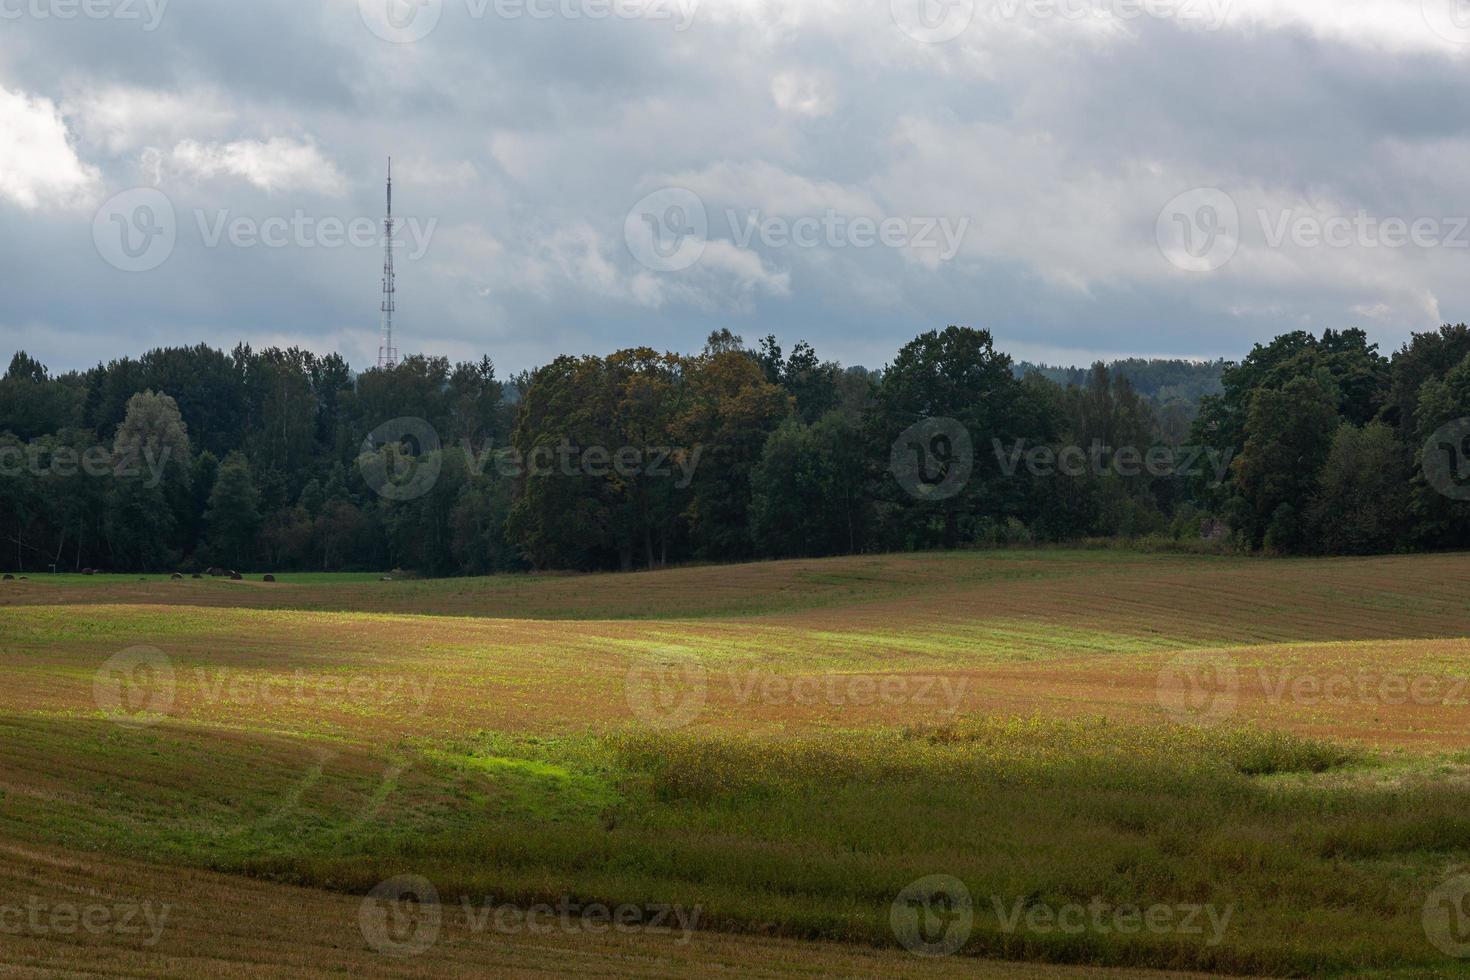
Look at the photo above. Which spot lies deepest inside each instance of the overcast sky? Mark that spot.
(1083, 177)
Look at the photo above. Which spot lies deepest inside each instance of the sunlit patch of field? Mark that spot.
(289, 671)
(786, 744)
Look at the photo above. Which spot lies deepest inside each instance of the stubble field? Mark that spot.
(1124, 761)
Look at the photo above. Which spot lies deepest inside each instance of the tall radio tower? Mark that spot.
(387, 353)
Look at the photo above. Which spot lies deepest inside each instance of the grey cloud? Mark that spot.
(529, 140)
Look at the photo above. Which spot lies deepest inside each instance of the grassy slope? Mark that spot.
(512, 778)
(218, 925)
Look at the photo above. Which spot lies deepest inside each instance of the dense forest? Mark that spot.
(285, 460)
(1162, 380)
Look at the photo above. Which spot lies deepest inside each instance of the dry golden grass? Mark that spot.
(1072, 635)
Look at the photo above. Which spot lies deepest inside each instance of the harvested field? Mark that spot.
(759, 742)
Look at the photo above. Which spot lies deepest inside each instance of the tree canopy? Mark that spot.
(285, 459)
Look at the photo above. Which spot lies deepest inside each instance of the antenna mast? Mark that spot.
(387, 353)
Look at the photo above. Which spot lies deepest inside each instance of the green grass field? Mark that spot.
(787, 748)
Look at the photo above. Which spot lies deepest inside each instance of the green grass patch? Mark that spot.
(1317, 857)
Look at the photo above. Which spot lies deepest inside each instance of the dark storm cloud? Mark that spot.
(521, 143)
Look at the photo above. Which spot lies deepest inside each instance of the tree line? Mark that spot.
(277, 459)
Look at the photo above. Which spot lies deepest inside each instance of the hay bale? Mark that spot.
(236, 577)
(268, 578)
